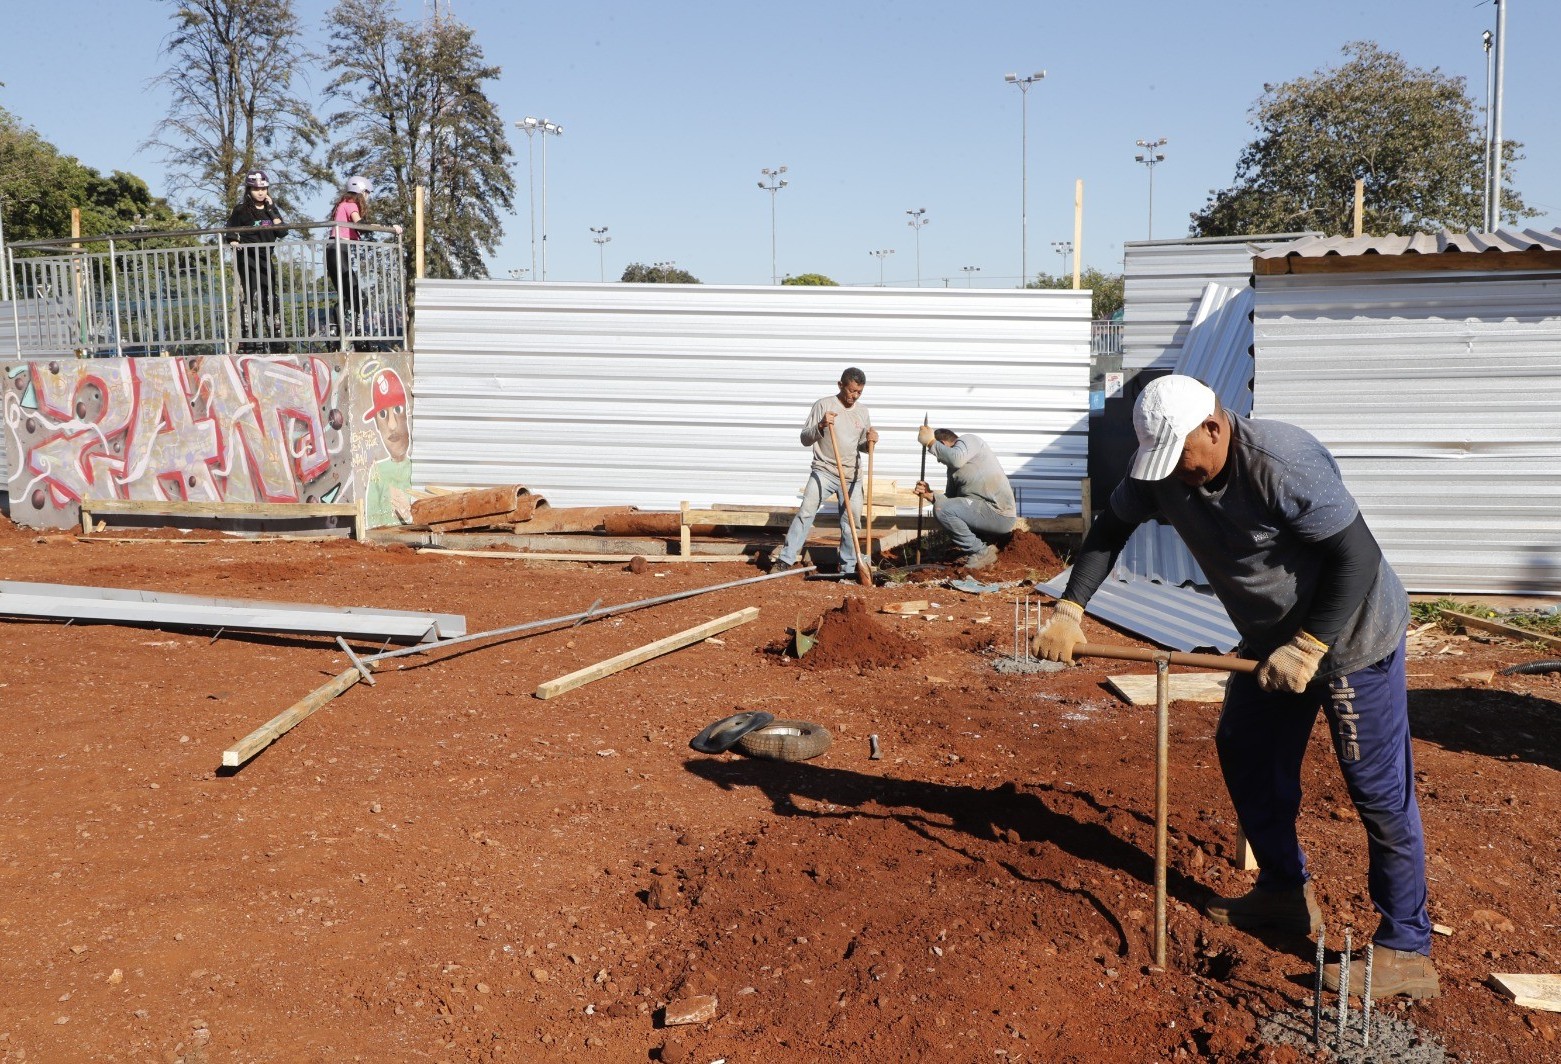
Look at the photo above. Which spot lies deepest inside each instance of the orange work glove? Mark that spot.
(1292, 667)
(1058, 636)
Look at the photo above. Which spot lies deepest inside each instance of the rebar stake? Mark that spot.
(1344, 991)
(1317, 993)
(1365, 1022)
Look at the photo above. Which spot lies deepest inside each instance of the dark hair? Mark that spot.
(945, 436)
(852, 375)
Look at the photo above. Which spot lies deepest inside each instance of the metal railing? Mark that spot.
(201, 292)
(1105, 337)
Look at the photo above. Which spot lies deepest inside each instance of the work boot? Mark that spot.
(1292, 909)
(1394, 973)
(778, 566)
(981, 558)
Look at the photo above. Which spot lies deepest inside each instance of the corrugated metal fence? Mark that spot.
(650, 394)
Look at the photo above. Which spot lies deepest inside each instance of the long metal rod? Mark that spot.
(1365, 1022)
(593, 613)
(1176, 657)
(1317, 991)
(1162, 780)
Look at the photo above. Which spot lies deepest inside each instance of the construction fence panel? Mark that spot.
(649, 395)
(1437, 394)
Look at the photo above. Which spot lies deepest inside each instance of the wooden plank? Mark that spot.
(287, 720)
(1139, 690)
(570, 518)
(1522, 635)
(628, 659)
(180, 508)
(259, 538)
(560, 556)
(1530, 991)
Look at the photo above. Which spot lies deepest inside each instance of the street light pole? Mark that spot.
(918, 219)
(970, 273)
(1024, 169)
(776, 183)
(1493, 206)
(1149, 158)
(880, 256)
(528, 126)
(556, 130)
(600, 237)
(1063, 248)
(1485, 188)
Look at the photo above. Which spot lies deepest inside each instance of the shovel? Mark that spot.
(1163, 660)
(864, 574)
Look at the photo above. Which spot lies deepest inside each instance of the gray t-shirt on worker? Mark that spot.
(974, 473)
(851, 425)
(1255, 538)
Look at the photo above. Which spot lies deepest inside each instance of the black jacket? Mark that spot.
(260, 224)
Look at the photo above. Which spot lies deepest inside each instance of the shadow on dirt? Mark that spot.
(1499, 724)
(987, 814)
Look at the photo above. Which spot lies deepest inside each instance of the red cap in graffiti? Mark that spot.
(388, 392)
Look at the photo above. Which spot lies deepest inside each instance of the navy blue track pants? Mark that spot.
(1262, 738)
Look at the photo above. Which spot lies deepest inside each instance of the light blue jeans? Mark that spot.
(964, 519)
(822, 486)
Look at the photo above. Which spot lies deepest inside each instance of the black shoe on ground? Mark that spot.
(1292, 909)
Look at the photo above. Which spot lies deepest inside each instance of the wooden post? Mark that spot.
(1086, 505)
(1078, 229)
(417, 233)
(581, 677)
(685, 533)
(1244, 856)
(285, 721)
(1360, 205)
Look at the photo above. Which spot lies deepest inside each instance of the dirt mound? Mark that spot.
(849, 637)
(1026, 550)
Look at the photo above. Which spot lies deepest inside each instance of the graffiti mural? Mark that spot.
(245, 428)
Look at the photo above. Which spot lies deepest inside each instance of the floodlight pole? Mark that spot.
(918, 219)
(1149, 158)
(601, 239)
(775, 184)
(1024, 169)
(880, 255)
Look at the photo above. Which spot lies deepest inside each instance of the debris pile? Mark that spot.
(849, 637)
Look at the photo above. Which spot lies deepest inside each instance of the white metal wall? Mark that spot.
(1439, 395)
(1163, 286)
(594, 394)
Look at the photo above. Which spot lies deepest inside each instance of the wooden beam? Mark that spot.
(1522, 635)
(283, 722)
(1140, 690)
(581, 677)
(180, 508)
(559, 556)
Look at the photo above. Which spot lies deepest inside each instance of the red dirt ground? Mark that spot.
(445, 868)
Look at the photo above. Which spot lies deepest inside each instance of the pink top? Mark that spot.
(346, 211)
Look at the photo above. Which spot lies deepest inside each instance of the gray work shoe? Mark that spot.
(981, 558)
(1394, 973)
(778, 566)
(1291, 909)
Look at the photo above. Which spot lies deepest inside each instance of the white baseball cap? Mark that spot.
(1166, 412)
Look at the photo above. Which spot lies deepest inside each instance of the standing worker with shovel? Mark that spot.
(1262, 507)
(841, 421)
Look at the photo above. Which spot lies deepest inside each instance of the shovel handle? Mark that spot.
(1173, 657)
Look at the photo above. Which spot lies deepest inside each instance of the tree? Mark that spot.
(660, 273)
(810, 279)
(39, 187)
(416, 114)
(1411, 135)
(234, 109)
(1106, 287)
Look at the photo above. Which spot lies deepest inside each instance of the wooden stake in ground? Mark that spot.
(863, 575)
(628, 659)
(285, 721)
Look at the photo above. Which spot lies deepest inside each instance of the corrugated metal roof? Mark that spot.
(1446, 241)
(1156, 552)
(1176, 618)
(1218, 349)
(652, 394)
(1438, 398)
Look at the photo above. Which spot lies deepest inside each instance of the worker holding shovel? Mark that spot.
(841, 420)
(977, 506)
(1262, 507)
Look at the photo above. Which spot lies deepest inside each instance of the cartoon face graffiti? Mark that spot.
(389, 413)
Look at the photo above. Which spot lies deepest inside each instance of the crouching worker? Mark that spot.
(976, 507)
(1261, 506)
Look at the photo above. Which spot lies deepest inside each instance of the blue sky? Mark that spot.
(671, 110)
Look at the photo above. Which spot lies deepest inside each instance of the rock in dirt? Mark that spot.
(1492, 920)
(638, 565)
(690, 1010)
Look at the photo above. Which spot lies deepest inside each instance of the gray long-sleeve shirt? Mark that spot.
(974, 473)
(851, 425)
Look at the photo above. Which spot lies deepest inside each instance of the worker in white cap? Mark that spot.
(1262, 507)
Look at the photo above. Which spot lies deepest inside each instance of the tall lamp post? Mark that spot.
(773, 183)
(880, 255)
(970, 273)
(1498, 161)
(918, 219)
(1063, 248)
(1485, 189)
(1151, 155)
(1024, 169)
(532, 126)
(601, 239)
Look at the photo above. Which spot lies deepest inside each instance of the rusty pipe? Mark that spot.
(1173, 657)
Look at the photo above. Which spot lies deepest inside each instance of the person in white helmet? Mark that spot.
(259, 224)
(352, 206)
